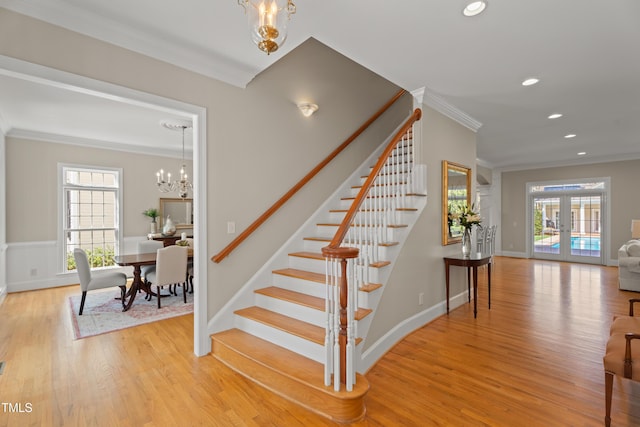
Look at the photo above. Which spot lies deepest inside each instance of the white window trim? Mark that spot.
(62, 256)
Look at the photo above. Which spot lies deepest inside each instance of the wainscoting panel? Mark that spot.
(32, 265)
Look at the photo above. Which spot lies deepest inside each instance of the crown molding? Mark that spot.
(577, 162)
(200, 61)
(439, 104)
(97, 143)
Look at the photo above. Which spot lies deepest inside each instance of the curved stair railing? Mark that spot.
(355, 247)
(280, 202)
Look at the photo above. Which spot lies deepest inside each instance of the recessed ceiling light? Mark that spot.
(530, 81)
(555, 116)
(582, 153)
(474, 8)
(571, 135)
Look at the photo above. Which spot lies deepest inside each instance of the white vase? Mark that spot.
(169, 228)
(153, 228)
(466, 242)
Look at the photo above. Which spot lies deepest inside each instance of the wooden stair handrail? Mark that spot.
(277, 205)
(362, 194)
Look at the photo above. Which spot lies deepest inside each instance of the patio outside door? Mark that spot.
(567, 227)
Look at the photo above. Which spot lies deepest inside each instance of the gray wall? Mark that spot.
(624, 203)
(32, 190)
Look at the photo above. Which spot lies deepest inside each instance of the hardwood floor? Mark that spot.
(534, 359)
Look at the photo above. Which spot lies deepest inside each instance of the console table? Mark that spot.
(471, 262)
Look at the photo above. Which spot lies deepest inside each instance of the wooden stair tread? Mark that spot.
(309, 255)
(328, 239)
(289, 375)
(319, 257)
(327, 224)
(301, 274)
(318, 277)
(288, 324)
(293, 296)
(286, 361)
(305, 300)
(369, 197)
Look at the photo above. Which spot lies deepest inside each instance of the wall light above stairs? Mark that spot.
(308, 108)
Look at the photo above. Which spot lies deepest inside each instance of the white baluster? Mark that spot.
(328, 339)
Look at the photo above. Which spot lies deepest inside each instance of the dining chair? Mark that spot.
(190, 266)
(148, 247)
(99, 280)
(171, 269)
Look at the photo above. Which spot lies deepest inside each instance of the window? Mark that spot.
(90, 204)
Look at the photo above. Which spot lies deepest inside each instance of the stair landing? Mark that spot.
(290, 375)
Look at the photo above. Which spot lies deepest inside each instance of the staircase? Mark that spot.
(277, 333)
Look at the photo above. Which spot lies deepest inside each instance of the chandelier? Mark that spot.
(183, 185)
(268, 21)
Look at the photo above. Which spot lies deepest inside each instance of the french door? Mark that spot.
(567, 227)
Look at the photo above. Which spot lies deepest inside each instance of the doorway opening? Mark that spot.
(567, 220)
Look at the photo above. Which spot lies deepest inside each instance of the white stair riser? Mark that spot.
(298, 285)
(314, 245)
(317, 289)
(410, 201)
(384, 252)
(399, 217)
(385, 234)
(318, 266)
(290, 309)
(283, 339)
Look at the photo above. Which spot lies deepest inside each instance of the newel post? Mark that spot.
(341, 255)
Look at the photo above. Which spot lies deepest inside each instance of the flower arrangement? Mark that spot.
(466, 217)
(469, 218)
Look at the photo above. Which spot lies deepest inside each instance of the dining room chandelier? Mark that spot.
(268, 21)
(166, 185)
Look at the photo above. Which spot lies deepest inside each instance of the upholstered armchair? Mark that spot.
(622, 354)
(629, 266)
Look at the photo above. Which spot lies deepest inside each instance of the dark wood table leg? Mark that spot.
(475, 291)
(469, 283)
(136, 284)
(446, 269)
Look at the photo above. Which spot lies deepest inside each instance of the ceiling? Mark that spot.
(584, 53)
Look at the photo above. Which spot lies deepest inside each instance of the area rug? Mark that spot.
(103, 312)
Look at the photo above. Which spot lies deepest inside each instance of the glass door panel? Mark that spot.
(546, 227)
(585, 228)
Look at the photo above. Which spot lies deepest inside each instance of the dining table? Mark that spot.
(137, 261)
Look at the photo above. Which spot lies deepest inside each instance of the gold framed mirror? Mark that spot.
(456, 194)
(181, 211)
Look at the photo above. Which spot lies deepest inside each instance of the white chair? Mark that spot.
(171, 269)
(99, 280)
(148, 247)
(491, 240)
(190, 266)
(481, 237)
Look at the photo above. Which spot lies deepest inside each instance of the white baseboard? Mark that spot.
(514, 254)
